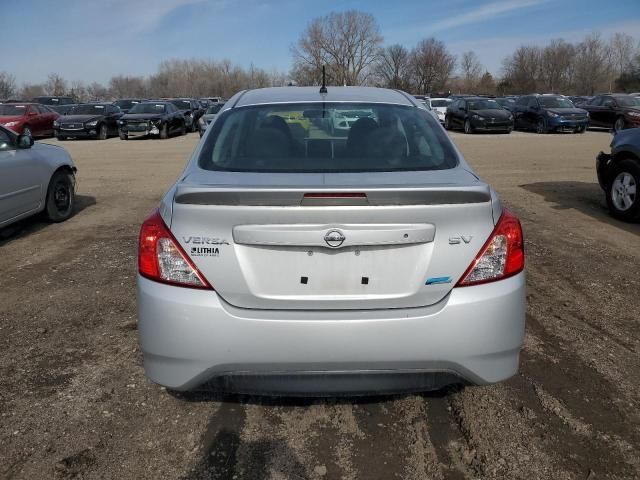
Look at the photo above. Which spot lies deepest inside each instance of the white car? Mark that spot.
(342, 120)
(439, 106)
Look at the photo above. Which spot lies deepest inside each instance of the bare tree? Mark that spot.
(7, 85)
(78, 91)
(96, 92)
(556, 63)
(591, 65)
(622, 48)
(347, 43)
(521, 69)
(122, 86)
(471, 70)
(486, 85)
(55, 85)
(29, 91)
(431, 65)
(393, 67)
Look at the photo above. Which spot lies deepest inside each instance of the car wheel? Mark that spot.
(468, 128)
(26, 130)
(60, 197)
(183, 129)
(123, 136)
(447, 123)
(622, 191)
(194, 126)
(164, 132)
(102, 132)
(541, 126)
(620, 124)
(61, 139)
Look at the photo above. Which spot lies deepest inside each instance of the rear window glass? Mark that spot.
(10, 109)
(148, 108)
(327, 137)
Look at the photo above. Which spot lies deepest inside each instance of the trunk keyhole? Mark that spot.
(304, 280)
(365, 280)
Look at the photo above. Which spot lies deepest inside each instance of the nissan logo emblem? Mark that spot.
(334, 238)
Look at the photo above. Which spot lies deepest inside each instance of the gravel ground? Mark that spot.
(74, 401)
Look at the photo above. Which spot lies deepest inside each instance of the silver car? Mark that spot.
(288, 260)
(34, 178)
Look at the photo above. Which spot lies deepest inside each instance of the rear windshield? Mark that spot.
(124, 104)
(628, 101)
(13, 110)
(483, 105)
(327, 137)
(440, 103)
(182, 104)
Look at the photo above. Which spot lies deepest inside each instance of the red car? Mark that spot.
(28, 118)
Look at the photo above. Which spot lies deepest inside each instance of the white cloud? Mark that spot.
(484, 12)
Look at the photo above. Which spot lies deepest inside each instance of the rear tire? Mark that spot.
(183, 129)
(123, 136)
(164, 132)
(447, 123)
(26, 130)
(60, 197)
(622, 190)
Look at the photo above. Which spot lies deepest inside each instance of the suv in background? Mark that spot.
(53, 102)
(549, 113)
(619, 175)
(614, 111)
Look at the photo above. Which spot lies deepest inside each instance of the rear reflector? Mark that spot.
(161, 258)
(501, 256)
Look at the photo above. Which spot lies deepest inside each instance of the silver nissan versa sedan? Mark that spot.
(289, 261)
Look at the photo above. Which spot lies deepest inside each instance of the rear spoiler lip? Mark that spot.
(389, 196)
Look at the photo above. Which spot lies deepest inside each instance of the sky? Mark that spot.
(94, 40)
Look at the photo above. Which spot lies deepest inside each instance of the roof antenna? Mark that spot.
(323, 88)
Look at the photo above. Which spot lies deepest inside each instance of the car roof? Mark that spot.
(334, 94)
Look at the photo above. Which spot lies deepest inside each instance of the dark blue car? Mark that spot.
(549, 113)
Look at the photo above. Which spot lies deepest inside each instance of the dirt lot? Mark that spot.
(74, 402)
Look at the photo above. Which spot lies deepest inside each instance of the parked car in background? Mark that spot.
(549, 113)
(635, 94)
(209, 116)
(579, 100)
(53, 102)
(506, 102)
(126, 104)
(342, 119)
(191, 110)
(439, 106)
(619, 175)
(614, 111)
(374, 263)
(427, 105)
(28, 118)
(34, 178)
(89, 120)
(477, 114)
(156, 119)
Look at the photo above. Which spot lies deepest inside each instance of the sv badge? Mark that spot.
(460, 239)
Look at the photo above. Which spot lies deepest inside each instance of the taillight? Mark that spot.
(161, 258)
(501, 256)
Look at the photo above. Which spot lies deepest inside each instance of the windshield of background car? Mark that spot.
(148, 108)
(555, 102)
(327, 137)
(182, 104)
(483, 105)
(628, 101)
(88, 110)
(214, 108)
(125, 104)
(440, 103)
(9, 109)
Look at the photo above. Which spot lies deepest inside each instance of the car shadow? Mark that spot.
(36, 223)
(585, 197)
(224, 449)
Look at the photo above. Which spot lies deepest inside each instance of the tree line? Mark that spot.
(351, 47)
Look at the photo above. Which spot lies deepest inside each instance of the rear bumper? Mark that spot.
(190, 337)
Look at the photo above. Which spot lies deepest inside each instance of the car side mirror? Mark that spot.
(25, 141)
